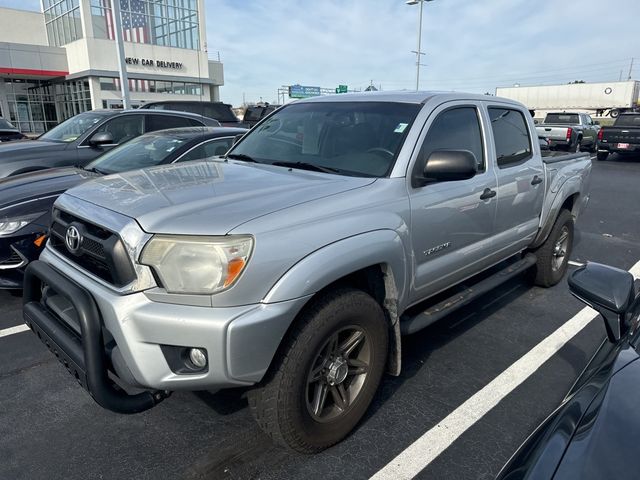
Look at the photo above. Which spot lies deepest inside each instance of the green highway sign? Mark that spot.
(341, 89)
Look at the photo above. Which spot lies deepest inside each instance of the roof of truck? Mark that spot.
(404, 96)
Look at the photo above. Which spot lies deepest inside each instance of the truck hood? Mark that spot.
(209, 197)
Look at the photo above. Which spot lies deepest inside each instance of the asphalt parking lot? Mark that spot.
(50, 428)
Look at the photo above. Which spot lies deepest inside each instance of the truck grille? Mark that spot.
(100, 252)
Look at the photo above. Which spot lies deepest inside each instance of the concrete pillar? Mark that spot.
(95, 92)
(85, 18)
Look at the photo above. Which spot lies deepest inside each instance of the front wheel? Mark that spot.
(326, 374)
(553, 255)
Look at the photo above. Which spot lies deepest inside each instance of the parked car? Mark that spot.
(295, 265)
(219, 111)
(8, 132)
(26, 200)
(82, 138)
(254, 113)
(594, 434)
(623, 137)
(570, 131)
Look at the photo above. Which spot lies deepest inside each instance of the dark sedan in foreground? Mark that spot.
(595, 433)
(26, 200)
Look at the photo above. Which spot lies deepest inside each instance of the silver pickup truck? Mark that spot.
(570, 131)
(294, 264)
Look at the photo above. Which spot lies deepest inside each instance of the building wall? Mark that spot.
(20, 26)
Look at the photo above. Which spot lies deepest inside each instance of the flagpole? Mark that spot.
(124, 79)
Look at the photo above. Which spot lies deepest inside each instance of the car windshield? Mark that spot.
(562, 119)
(144, 151)
(349, 138)
(6, 125)
(71, 129)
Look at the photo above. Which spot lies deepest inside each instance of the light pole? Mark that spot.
(418, 52)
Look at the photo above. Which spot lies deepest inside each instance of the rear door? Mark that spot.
(520, 174)
(451, 226)
(162, 122)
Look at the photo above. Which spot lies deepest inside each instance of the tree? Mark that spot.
(577, 81)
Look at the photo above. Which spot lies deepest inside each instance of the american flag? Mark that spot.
(134, 29)
(134, 21)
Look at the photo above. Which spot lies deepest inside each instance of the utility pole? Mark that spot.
(630, 69)
(122, 66)
(418, 52)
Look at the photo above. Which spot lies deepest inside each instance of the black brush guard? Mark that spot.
(85, 357)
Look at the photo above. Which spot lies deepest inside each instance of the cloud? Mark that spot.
(473, 46)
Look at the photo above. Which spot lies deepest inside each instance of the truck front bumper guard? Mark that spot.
(85, 356)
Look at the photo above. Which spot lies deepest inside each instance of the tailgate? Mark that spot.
(552, 133)
(621, 135)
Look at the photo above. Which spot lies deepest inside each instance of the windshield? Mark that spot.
(5, 124)
(351, 138)
(71, 129)
(562, 119)
(628, 121)
(141, 152)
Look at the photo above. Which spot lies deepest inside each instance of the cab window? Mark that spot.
(455, 129)
(510, 135)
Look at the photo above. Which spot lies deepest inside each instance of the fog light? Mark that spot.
(198, 357)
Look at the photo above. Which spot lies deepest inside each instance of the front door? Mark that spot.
(451, 225)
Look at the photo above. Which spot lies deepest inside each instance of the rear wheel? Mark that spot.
(326, 374)
(602, 156)
(553, 255)
(578, 145)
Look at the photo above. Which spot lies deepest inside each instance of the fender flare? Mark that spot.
(564, 192)
(339, 259)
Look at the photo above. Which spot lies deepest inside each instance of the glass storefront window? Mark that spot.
(62, 19)
(108, 84)
(31, 105)
(171, 23)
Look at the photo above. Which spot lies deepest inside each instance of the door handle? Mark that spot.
(487, 194)
(536, 180)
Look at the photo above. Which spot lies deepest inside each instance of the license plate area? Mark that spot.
(623, 146)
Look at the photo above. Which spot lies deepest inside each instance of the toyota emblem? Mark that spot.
(73, 239)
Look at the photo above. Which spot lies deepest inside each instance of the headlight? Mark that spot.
(12, 225)
(197, 265)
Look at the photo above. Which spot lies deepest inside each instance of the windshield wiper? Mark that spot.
(306, 166)
(242, 157)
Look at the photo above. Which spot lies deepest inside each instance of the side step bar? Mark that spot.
(413, 324)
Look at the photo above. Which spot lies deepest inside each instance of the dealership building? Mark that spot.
(63, 60)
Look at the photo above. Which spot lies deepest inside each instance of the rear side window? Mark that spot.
(212, 148)
(455, 129)
(162, 122)
(510, 135)
(562, 118)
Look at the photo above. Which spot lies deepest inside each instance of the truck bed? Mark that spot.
(551, 156)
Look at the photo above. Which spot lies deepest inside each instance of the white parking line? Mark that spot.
(13, 330)
(425, 449)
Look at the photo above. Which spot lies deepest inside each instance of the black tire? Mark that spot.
(602, 156)
(281, 402)
(553, 255)
(578, 145)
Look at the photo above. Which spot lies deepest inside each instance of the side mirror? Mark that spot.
(447, 166)
(608, 290)
(101, 138)
(237, 138)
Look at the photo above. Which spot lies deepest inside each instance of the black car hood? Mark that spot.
(27, 187)
(25, 148)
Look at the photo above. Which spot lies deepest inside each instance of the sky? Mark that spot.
(470, 45)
